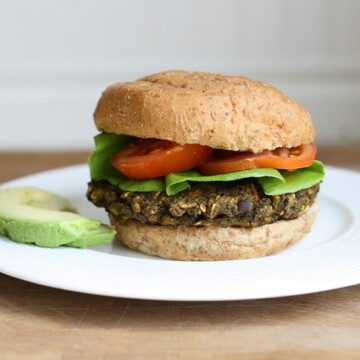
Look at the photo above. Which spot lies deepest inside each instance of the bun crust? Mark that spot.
(214, 243)
(224, 112)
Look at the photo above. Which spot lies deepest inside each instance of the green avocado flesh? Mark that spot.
(34, 216)
(273, 182)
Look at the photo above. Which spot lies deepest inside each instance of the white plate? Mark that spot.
(328, 258)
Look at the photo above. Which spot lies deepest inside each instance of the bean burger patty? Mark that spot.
(241, 203)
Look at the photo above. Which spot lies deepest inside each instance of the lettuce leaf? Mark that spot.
(180, 181)
(106, 145)
(272, 181)
(294, 180)
(157, 184)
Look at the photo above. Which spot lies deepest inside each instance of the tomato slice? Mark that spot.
(151, 158)
(290, 159)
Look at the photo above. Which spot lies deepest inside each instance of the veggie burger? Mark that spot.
(201, 166)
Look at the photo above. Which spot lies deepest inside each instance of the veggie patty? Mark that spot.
(239, 203)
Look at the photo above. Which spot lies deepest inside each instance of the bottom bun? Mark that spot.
(213, 242)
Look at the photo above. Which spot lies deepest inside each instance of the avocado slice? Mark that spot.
(34, 216)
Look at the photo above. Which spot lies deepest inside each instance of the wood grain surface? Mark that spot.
(38, 322)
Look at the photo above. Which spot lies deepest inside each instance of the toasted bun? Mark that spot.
(214, 243)
(224, 112)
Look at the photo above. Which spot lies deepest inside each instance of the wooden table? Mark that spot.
(44, 323)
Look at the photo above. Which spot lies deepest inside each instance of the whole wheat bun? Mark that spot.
(211, 242)
(224, 112)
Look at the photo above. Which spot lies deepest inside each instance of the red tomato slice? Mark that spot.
(151, 158)
(229, 161)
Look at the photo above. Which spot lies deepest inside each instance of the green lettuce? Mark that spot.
(106, 145)
(272, 181)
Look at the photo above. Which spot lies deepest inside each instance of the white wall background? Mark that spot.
(56, 57)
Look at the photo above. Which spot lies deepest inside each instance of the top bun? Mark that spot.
(224, 112)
